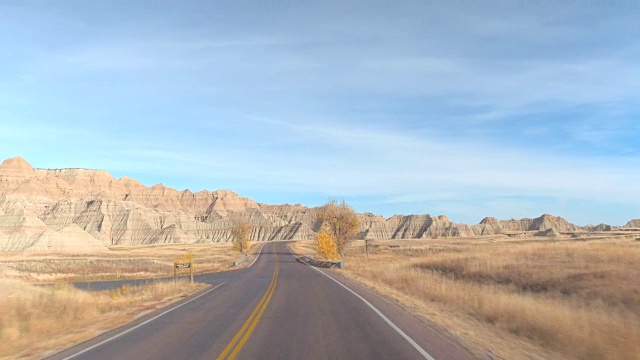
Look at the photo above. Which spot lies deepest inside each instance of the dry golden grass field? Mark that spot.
(122, 262)
(514, 299)
(35, 320)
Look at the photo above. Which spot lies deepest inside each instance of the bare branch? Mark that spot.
(340, 222)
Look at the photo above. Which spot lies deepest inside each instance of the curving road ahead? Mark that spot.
(278, 308)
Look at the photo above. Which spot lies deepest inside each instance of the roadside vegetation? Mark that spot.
(36, 319)
(514, 299)
(326, 247)
(339, 226)
(122, 262)
(240, 232)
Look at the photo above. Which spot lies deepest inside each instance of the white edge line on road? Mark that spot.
(139, 325)
(259, 252)
(386, 319)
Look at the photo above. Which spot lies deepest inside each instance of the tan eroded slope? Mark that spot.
(39, 207)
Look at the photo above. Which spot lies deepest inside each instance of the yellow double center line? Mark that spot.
(238, 341)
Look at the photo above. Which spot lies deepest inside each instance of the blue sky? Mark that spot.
(506, 109)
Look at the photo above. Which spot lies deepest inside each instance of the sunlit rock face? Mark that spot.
(71, 210)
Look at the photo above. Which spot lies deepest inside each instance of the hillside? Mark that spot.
(635, 223)
(41, 207)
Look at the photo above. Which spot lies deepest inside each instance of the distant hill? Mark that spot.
(635, 223)
(39, 208)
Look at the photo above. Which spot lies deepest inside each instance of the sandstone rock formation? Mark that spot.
(635, 223)
(541, 223)
(37, 206)
(547, 233)
(598, 228)
(70, 239)
(88, 210)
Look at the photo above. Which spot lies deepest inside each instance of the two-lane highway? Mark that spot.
(278, 308)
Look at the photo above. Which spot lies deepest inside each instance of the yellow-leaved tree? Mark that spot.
(326, 247)
(240, 231)
(340, 222)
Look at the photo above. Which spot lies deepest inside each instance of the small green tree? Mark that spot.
(240, 231)
(340, 222)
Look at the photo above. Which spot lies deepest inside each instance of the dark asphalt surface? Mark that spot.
(278, 308)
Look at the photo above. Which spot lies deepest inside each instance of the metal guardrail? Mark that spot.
(322, 263)
(241, 261)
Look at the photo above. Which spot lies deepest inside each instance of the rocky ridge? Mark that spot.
(40, 208)
(635, 223)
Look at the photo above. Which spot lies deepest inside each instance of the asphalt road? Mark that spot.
(278, 308)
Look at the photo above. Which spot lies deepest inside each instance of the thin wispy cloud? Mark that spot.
(455, 107)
